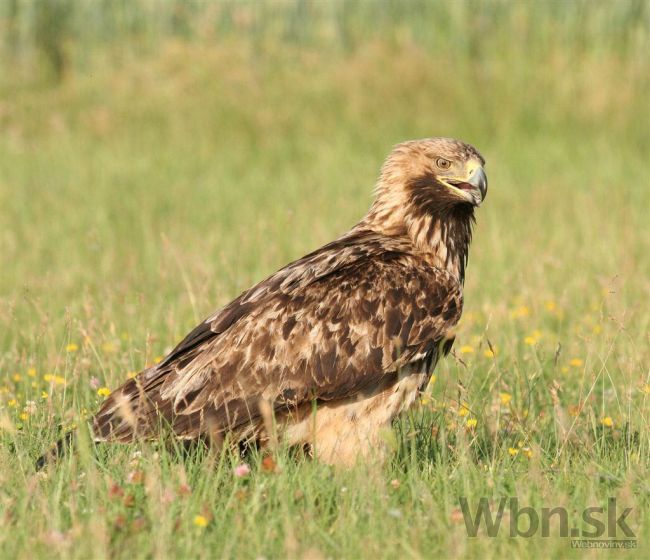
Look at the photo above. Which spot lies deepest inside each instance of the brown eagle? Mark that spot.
(329, 349)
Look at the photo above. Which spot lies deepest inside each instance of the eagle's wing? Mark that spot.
(325, 327)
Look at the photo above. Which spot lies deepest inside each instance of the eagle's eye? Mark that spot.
(443, 163)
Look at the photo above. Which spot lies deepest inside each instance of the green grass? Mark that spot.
(167, 171)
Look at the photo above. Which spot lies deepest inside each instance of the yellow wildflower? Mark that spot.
(646, 389)
(103, 391)
(533, 337)
(505, 398)
(48, 377)
(576, 362)
(200, 521)
(513, 451)
(23, 416)
(490, 352)
(31, 372)
(607, 421)
(466, 349)
(521, 311)
(463, 410)
(550, 306)
(72, 347)
(16, 377)
(158, 359)
(597, 329)
(44, 395)
(471, 423)
(527, 451)
(13, 403)
(564, 369)
(59, 380)
(108, 347)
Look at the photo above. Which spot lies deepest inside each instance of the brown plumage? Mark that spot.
(331, 347)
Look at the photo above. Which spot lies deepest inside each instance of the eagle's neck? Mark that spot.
(444, 237)
(440, 228)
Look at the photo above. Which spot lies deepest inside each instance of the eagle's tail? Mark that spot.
(113, 421)
(56, 451)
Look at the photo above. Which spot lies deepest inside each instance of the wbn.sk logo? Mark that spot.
(526, 521)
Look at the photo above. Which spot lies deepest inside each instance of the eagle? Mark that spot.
(324, 353)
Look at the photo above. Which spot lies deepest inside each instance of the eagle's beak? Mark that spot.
(478, 179)
(473, 187)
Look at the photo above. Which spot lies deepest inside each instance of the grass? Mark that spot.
(166, 172)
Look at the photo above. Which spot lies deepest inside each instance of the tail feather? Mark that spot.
(113, 421)
(132, 411)
(57, 451)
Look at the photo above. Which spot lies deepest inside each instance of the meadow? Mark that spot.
(157, 158)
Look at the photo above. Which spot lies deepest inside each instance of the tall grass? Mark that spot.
(179, 152)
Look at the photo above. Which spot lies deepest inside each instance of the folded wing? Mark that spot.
(326, 327)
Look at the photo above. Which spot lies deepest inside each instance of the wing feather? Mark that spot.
(325, 327)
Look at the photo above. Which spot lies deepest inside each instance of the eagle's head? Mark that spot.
(428, 177)
(442, 170)
(429, 189)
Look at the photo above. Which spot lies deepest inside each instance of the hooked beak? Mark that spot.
(478, 179)
(472, 188)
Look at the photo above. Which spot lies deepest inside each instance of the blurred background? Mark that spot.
(159, 156)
